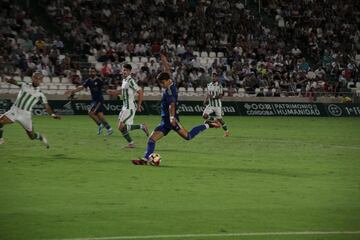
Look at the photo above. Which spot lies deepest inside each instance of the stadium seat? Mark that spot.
(191, 92)
(351, 85)
(17, 78)
(60, 92)
(28, 79)
(182, 91)
(147, 89)
(203, 61)
(4, 90)
(65, 80)
(4, 84)
(127, 59)
(45, 79)
(196, 53)
(52, 86)
(61, 57)
(48, 91)
(13, 91)
(143, 59)
(91, 59)
(98, 66)
(135, 59)
(71, 87)
(220, 54)
(204, 54)
(212, 54)
(152, 58)
(4, 87)
(211, 61)
(62, 86)
(55, 80)
(84, 93)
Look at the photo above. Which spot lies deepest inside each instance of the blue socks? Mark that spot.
(195, 131)
(150, 148)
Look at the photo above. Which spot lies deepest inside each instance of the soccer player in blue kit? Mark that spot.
(169, 116)
(96, 110)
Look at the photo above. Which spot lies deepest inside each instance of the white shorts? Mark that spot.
(217, 110)
(127, 116)
(23, 117)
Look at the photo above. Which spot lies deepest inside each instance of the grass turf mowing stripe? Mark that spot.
(217, 235)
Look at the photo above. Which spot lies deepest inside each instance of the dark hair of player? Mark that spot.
(127, 66)
(163, 76)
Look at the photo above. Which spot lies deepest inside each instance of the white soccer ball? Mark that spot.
(155, 159)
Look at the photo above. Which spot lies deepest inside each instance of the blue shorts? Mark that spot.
(165, 126)
(96, 107)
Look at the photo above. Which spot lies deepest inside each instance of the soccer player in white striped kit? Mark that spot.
(129, 89)
(21, 110)
(214, 105)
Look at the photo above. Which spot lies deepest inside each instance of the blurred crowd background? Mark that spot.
(258, 48)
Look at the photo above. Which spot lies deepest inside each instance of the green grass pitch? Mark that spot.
(271, 175)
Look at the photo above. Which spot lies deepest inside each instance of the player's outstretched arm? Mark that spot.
(166, 63)
(71, 92)
(113, 92)
(140, 94)
(206, 99)
(12, 81)
(50, 112)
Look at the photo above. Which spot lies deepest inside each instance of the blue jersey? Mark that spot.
(169, 96)
(96, 87)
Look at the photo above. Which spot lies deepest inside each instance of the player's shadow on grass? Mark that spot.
(187, 151)
(62, 156)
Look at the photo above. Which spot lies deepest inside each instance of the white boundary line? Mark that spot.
(217, 235)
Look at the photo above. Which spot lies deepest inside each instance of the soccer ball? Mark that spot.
(155, 159)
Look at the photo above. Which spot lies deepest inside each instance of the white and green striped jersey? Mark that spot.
(29, 96)
(214, 90)
(128, 92)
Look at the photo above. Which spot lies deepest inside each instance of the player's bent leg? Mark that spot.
(101, 117)
(94, 117)
(145, 129)
(193, 132)
(3, 121)
(224, 127)
(125, 133)
(155, 136)
(38, 136)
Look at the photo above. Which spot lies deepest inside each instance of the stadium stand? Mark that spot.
(308, 47)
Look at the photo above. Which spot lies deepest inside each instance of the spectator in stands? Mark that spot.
(199, 26)
(142, 77)
(261, 93)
